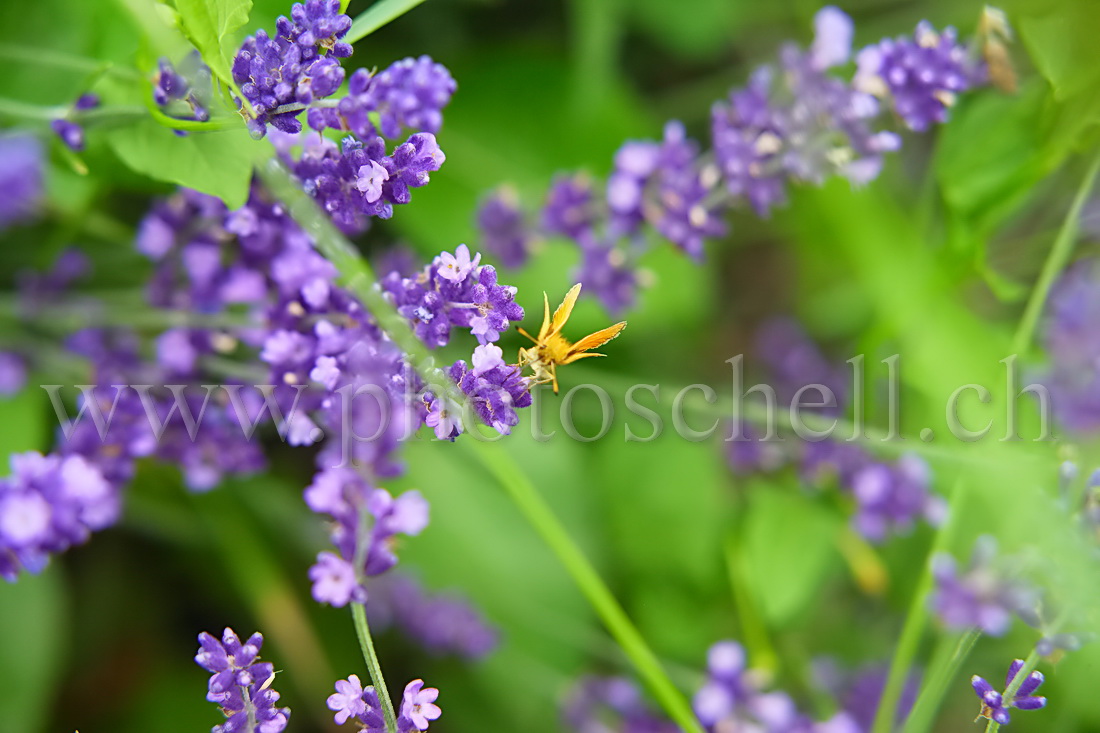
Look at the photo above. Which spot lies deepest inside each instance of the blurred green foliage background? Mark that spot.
(932, 261)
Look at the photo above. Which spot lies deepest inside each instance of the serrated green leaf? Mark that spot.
(218, 163)
(208, 24)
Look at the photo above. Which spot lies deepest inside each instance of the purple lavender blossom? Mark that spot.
(71, 132)
(409, 94)
(732, 699)
(980, 596)
(1073, 377)
(571, 207)
(240, 684)
(183, 92)
(418, 707)
(48, 504)
(503, 230)
(592, 699)
(609, 272)
(441, 623)
(495, 389)
(921, 75)
(288, 68)
(365, 549)
(21, 178)
(13, 373)
(994, 705)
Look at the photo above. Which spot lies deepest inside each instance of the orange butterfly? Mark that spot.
(551, 349)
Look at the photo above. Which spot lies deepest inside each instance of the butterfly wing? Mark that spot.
(593, 341)
(561, 315)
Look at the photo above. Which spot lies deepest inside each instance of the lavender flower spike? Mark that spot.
(994, 704)
(241, 684)
(979, 596)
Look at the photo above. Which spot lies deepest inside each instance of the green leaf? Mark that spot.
(378, 15)
(1062, 42)
(788, 551)
(218, 163)
(208, 23)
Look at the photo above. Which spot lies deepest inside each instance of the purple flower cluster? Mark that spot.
(793, 122)
(441, 623)
(504, 232)
(593, 699)
(921, 75)
(351, 700)
(290, 68)
(980, 596)
(495, 390)
(183, 92)
(455, 291)
(21, 178)
(354, 180)
(241, 684)
(889, 496)
(1073, 346)
(732, 699)
(410, 93)
(70, 130)
(48, 504)
(995, 705)
(365, 522)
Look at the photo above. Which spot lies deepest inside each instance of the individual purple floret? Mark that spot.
(351, 700)
(70, 132)
(995, 706)
(921, 75)
(21, 178)
(48, 504)
(504, 233)
(190, 84)
(592, 700)
(240, 684)
(418, 707)
(980, 596)
(288, 68)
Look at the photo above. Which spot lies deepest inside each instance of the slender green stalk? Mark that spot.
(362, 630)
(950, 653)
(541, 517)
(754, 631)
(1055, 262)
(915, 621)
(1014, 686)
(59, 60)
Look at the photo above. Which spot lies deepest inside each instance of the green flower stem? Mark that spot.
(951, 651)
(535, 509)
(357, 277)
(915, 621)
(1013, 687)
(59, 60)
(362, 630)
(754, 632)
(1056, 261)
(15, 109)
